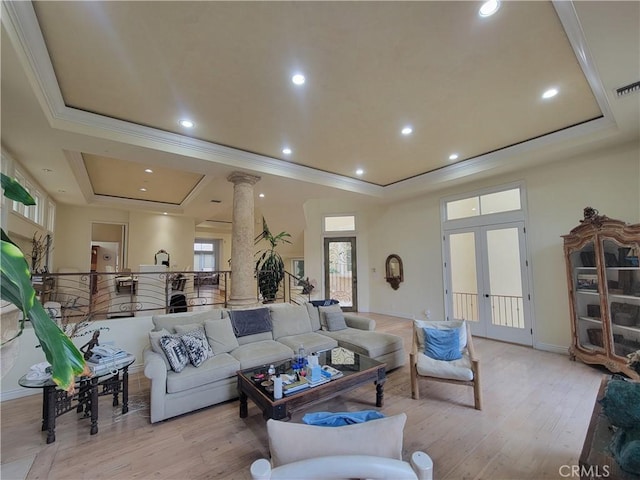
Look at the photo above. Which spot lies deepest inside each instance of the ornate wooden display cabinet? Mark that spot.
(603, 276)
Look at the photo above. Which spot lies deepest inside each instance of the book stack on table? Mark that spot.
(327, 374)
(111, 358)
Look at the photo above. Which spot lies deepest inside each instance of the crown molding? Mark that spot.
(22, 24)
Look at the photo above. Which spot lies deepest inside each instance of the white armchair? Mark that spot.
(371, 450)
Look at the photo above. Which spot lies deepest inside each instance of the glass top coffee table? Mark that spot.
(356, 370)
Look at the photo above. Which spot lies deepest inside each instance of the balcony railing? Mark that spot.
(506, 310)
(108, 295)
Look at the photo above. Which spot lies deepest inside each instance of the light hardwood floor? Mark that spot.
(537, 407)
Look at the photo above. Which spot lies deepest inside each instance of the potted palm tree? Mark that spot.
(270, 266)
(66, 360)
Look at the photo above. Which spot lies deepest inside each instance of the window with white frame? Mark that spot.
(51, 216)
(484, 204)
(339, 223)
(17, 206)
(205, 253)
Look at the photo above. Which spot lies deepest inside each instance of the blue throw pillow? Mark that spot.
(442, 344)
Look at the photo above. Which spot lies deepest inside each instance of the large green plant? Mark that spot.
(66, 360)
(270, 266)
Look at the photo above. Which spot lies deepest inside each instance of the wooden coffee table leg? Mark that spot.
(244, 409)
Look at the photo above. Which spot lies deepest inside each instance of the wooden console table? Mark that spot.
(596, 462)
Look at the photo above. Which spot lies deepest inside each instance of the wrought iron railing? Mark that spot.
(292, 289)
(108, 294)
(506, 310)
(126, 294)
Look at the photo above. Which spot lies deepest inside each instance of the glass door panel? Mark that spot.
(464, 277)
(505, 282)
(340, 271)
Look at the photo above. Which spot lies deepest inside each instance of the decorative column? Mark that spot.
(243, 291)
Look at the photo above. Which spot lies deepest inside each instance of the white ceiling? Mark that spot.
(92, 93)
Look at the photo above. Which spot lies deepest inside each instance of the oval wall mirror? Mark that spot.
(394, 271)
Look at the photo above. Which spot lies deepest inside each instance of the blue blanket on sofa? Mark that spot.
(338, 419)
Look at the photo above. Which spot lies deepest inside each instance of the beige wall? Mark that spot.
(150, 232)
(72, 236)
(556, 195)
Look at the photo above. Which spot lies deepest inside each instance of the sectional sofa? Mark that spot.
(241, 339)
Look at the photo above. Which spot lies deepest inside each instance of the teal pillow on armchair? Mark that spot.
(442, 344)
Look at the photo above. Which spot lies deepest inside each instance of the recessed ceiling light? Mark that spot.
(489, 8)
(453, 156)
(164, 213)
(552, 92)
(298, 79)
(47, 170)
(261, 195)
(286, 151)
(359, 171)
(148, 170)
(408, 130)
(186, 123)
(143, 189)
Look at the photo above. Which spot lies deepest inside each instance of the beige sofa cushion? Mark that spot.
(292, 442)
(289, 320)
(262, 352)
(169, 321)
(154, 341)
(365, 342)
(220, 335)
(329, 309)
(215, 368)
(312, 342)
(314, 316)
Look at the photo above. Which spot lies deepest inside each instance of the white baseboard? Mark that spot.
(20, 392)
(548, 347)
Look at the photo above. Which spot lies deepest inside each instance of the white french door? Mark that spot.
(487, 281)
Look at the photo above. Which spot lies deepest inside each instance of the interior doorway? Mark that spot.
(340, 273)
(110, 240)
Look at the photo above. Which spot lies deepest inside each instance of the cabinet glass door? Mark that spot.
(587, 299)
(623, 286)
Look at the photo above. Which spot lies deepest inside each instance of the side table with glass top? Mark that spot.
(111, 379)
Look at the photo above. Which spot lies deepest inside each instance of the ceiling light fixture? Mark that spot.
(298, 79)
(143, 189)
(453, 156)
(286, 151)
(164, 213)
(489, 8)
(261, 195)
(552, 92)
(186, 123)
(408, 130)
(47, 170)
(359, 171)
(148, 170)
